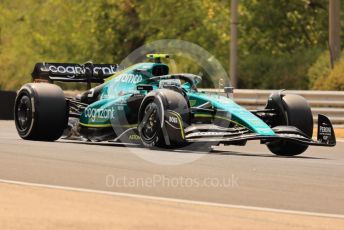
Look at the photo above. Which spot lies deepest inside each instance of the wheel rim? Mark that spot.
(24, 113)
(149, 128)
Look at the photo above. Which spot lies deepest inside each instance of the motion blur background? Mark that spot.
(282, 44)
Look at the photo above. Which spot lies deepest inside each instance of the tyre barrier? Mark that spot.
(7, 99)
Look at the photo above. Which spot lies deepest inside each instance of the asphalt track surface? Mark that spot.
(247, 176)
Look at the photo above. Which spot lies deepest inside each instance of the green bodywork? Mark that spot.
(112, 102)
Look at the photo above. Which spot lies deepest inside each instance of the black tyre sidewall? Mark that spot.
(49, 115)
(24, 133)
(158, 139)
(165, 99)
(298, 114)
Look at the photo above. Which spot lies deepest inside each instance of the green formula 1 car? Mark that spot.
(144, 104)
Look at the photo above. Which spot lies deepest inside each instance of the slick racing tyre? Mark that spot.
(157, 111)
(40, 112)
(298, 114)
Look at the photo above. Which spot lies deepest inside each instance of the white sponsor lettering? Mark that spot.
(173, 120)
(325, 129)
(79, 69)
(130, 78)
(61, 69)
(69, 69)
(93, 114)
(91, 93)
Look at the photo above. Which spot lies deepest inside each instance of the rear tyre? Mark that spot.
(40, 112)
(298, 113)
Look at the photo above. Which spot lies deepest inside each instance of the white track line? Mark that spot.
(193, 202)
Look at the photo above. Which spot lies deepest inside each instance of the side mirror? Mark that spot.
(229, 91)
(142, 71)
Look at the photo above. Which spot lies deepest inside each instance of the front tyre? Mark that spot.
(40, 112)
(297, 113)
(163, 114)
(151, 132)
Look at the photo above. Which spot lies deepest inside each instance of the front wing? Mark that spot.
(325, 136)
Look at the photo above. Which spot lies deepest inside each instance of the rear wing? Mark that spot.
(71, 72)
